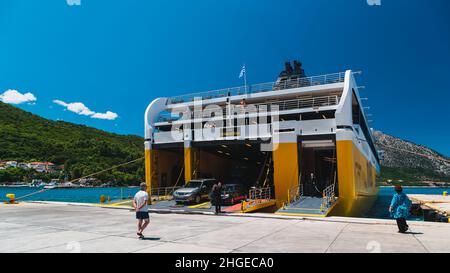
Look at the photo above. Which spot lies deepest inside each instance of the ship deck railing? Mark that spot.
(280, 84)
(329, 197)
(163, 193)
(281, 105)
(259, 198)
(252, 131)
(295, 193)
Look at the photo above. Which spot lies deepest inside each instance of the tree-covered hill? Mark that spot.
(82, 150)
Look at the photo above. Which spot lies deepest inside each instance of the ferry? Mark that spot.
(302, 144)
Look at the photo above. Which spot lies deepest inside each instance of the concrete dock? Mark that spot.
(438, 203)
(53, 227)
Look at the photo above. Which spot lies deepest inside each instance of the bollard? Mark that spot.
(102, 199)
(12, 198)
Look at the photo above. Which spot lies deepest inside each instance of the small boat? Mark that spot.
(50, 185)
(68, 185)
(18, 185)
(37, 183)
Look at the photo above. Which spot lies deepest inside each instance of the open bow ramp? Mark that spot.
(307, 206)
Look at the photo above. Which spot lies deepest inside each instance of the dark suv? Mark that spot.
(195, 191)
(232, 194)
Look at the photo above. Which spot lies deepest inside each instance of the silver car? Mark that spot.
(194, 191)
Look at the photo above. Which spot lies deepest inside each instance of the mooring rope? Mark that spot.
(86, 176)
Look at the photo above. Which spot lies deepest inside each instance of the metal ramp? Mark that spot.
(305, 206)
(259, 198)
(300, 205)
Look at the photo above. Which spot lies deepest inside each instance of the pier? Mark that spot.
(61, 227)
(436, 207)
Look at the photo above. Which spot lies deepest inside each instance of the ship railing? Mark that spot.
(281, 105)
(258, 196)
(280, 84)
(295, 194)
(329, 197)
(163, 193)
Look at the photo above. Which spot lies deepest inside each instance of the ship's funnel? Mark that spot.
(296, 72)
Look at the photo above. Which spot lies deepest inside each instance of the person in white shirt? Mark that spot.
(140, 204)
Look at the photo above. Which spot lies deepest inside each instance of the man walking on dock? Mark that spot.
(140, 204)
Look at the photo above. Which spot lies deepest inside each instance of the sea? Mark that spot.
(75, 195)
(380, 208)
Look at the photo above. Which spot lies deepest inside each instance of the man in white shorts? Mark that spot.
(140, 204)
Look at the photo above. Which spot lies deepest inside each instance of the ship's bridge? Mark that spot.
(280, 135)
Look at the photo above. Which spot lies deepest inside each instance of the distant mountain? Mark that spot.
(82, 150)
(403, 160)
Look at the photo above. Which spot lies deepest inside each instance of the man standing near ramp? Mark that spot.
(217, 196)
(140, 204)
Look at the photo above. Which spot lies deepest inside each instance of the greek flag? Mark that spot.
(242, 72)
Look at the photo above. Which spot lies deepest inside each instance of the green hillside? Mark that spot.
(82, 150)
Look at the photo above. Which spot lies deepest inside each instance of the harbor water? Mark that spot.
(381, 206)
(76, 195)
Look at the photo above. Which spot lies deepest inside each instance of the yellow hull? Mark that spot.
(357, 181)
(357, 189)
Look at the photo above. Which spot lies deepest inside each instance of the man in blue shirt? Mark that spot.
(399, 209)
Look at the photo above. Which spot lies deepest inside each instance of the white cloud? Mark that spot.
(15, 97)
(81, 109)
(108, 115)
(76, 107)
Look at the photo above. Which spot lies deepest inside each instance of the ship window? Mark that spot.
(164, 128)
(318, 115)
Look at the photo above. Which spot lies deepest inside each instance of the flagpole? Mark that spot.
(245, 78)
(244, 74)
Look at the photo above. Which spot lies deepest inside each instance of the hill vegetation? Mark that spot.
(82, 150)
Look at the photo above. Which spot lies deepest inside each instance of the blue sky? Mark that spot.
(119, 55)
